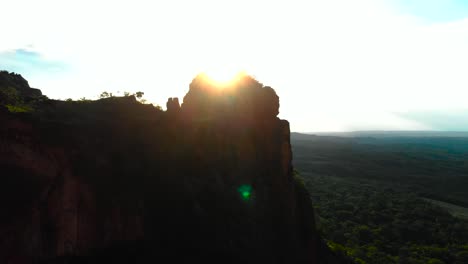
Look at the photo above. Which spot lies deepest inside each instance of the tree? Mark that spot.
(139, 95)
(104, 95)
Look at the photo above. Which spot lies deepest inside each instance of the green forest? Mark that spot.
(379, 200)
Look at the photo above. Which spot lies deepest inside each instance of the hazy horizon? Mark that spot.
(336, 65)
(390, 132)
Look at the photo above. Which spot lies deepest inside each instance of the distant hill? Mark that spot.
(380, 134)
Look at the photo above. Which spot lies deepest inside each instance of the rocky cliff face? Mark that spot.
(115, 180)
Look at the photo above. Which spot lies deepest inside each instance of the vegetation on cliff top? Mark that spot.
(16, 95)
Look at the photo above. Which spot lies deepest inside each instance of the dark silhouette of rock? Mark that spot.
(244, 98)
(173, 105)
(114, 181)
(13, 80)
(17, 82)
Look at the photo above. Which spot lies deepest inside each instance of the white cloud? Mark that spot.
(337, 60)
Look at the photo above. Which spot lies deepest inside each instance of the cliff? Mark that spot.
(117, 181)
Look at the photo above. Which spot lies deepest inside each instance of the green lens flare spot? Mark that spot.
(245, 192)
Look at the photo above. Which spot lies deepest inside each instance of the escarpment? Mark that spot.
(118, 181)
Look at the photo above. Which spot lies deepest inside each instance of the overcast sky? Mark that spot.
(336, 65)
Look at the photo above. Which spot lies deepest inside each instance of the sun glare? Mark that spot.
(222, 75)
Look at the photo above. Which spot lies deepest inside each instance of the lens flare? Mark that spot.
(245, 192)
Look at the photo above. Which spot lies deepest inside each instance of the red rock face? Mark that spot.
(218, 178)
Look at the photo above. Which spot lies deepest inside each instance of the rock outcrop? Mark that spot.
(173, 105)
(17, 82)
(114, 181)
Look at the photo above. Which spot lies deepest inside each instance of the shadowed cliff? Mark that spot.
(118, 181)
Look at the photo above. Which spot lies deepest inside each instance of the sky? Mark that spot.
(336, 65)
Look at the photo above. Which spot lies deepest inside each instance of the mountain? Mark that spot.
(117, 181)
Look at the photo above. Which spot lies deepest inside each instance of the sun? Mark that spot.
(223, 74)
